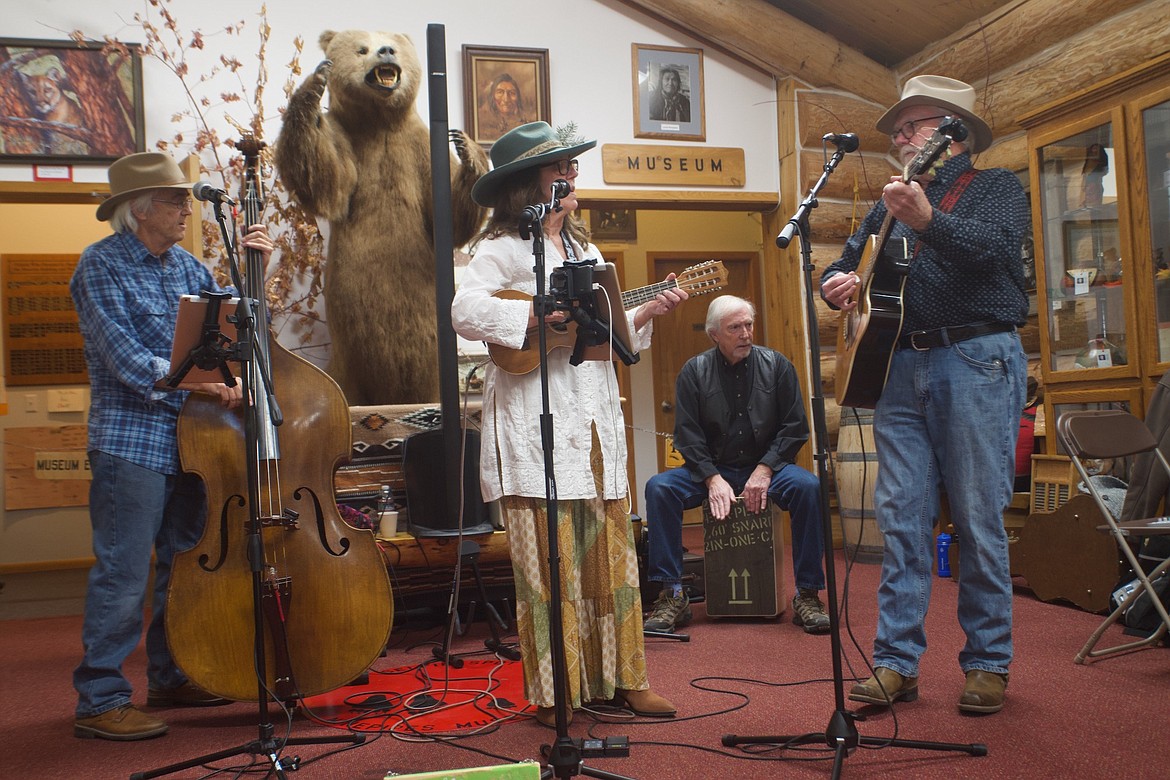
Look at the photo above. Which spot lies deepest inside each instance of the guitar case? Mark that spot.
(423, 470)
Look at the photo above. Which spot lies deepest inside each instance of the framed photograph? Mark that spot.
(613, 225)
(503, 88)
(668, 93)
(67, 102)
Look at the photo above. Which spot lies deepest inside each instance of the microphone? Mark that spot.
(560, 188)
(846, 142)
(532, 214)
(204, 191)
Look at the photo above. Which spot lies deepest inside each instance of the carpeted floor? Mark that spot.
(735, 676)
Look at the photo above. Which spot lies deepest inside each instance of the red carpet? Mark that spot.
(431, 698)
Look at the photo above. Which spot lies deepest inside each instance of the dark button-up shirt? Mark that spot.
(741, 415)
(968, 267)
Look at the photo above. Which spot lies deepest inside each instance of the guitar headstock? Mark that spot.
(948, 130)
(702, 278)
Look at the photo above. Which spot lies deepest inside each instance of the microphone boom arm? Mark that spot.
(800, 217)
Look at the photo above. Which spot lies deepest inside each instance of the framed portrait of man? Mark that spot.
(502, 89)
(69, 102)
(668, 93)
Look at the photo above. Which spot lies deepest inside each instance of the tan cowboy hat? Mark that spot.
(519, 149)
(134, 174)
(946, 93)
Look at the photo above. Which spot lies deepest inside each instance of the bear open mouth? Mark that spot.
(384, 76)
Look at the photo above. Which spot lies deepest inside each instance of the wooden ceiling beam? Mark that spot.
(777, 43)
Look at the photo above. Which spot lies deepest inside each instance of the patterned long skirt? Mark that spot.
(601, 606)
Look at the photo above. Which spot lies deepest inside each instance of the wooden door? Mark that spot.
(681, 334)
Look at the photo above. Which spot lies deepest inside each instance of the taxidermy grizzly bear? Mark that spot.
(365, 167)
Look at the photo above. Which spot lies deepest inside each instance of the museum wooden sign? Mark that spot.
(681, 166)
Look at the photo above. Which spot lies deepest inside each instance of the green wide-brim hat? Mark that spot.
(519, 149)
(948, 94)
(135, 174)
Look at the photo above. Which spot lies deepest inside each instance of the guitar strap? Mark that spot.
(570, 255)
(952, 197)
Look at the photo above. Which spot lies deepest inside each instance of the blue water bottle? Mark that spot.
(944, 555)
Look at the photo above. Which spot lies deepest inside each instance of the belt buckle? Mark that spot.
(914, 341)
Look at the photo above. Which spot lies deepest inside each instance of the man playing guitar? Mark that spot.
(948, 413)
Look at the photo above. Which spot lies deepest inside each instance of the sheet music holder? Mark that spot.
(605, 277)
(189, 336)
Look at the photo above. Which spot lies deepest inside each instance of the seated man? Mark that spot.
(739, 422)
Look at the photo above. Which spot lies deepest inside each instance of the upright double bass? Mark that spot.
(274, 543)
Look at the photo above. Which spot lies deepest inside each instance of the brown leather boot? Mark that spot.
(547, 716)
(124, 724)
(893, 687)
(983, 692)
(645, 703)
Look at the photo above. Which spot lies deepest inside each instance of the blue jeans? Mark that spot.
(132, 510)
(793, 489)
(948, 416)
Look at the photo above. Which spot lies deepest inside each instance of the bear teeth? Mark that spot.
(387, 76)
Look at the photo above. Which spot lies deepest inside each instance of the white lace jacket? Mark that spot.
(580, 397)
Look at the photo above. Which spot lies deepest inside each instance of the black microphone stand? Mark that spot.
(245, 351)
(565, 755)
(841, 733)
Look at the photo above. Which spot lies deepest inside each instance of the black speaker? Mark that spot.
(425, 473)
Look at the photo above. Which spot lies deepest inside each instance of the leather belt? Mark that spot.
(922, 340)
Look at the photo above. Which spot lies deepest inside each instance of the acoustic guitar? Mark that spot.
(869, 332)
(696, 280)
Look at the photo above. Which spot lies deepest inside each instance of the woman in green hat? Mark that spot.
(600, 600)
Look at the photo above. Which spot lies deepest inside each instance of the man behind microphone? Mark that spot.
(126, 291)
(949, 413)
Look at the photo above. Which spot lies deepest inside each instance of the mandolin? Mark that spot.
(696, 280)
(869, 332)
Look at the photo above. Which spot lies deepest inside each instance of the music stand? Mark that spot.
(201, 347)
(841, 733)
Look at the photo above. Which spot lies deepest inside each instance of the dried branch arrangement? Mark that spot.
(295, 278)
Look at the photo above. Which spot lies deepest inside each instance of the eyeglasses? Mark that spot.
(185, 203)
(563, 166)
(910, 129)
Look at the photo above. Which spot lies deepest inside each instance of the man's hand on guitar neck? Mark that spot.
(838, 290)
(907, 203)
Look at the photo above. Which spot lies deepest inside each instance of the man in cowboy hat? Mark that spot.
(126, 291)
(949, 412)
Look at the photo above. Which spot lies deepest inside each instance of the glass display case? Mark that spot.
(1099, 163)
(1084, 278)
(1155, 124)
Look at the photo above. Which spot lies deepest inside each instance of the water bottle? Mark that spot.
(387, 515)
(944, 555)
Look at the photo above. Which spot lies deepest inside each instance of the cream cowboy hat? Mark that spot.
(519, 149)
(946, 93)
(134, 174)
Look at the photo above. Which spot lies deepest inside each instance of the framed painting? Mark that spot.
(613, 224)
(503, 88)
(668, 93)
(67, 102)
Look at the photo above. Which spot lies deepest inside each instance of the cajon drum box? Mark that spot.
(743, 562)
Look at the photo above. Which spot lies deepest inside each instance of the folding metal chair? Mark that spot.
(1110, 434)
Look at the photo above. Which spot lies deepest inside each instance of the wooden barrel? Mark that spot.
(856, 468)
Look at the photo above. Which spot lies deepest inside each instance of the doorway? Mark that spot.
(681, 334)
